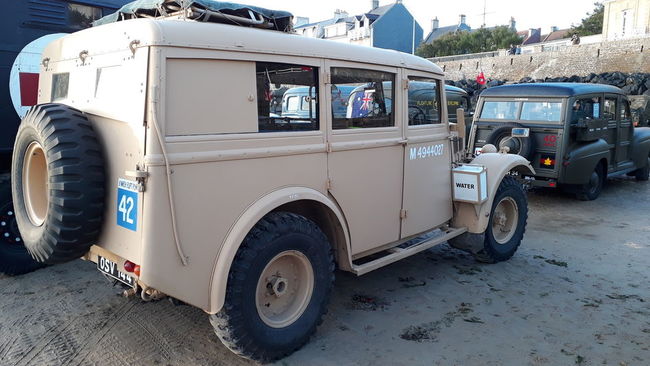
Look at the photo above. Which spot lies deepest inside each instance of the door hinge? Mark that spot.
(139, 175)
(406, 84)
(328, 147)
(328, 78)
(328, 184)
(402, 214)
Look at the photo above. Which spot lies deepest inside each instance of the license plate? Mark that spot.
(109, 268)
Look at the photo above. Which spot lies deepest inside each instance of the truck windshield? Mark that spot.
(499, 110)
(541, 111)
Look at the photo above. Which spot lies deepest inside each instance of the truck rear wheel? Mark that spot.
(58, 183)
(14, 257)
(278, 288)
(591, 190)
(507, 223)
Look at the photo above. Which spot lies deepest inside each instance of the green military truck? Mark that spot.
(575, 135)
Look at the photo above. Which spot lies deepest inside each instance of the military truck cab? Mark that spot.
(157, 151)
(575, 135)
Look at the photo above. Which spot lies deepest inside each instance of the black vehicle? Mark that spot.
(575, 135)
(458, 98)
(23, 22)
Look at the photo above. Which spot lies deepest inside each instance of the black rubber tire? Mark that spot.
(238, 324)
(75, 174)
(14, 257)
(492, 251)
(643, 174)
(591, 190)
(527, 144)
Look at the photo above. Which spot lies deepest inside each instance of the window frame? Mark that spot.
(395, 97)
(439, 99)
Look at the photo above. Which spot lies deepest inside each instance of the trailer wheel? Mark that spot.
(278, 288)
(14, 257)
(507, 223)
(58, 183)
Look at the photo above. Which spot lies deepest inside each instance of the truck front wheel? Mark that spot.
(278, 288)
(507, 223)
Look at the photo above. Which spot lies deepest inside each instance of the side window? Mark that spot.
(424, 101)
(609, 109)
(625, 109)
(369, 101)
(287, 97)
(585, 108)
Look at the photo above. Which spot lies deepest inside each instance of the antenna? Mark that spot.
(485, 12)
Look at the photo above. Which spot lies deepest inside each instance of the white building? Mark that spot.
(626, 18)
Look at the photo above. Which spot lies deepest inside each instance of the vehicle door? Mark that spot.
(625, 131)
(427, 157)
(589, 107)
(610, 102)
(365, 159)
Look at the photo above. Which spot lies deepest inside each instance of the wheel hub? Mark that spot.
(35, 184)
(504, 220)
(284, 289)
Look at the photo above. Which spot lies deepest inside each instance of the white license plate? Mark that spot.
(109, 268)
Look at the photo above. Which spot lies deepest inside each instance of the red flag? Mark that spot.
(480, 78)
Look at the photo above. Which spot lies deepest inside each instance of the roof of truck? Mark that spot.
(549, 90)
(193, 34)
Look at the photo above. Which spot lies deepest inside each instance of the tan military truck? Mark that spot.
(155, 153)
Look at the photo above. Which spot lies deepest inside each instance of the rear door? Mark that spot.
(625, 131)
(366, 150)
(427, 157)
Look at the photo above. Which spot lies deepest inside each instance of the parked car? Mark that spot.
(171, 170)
(575, 135)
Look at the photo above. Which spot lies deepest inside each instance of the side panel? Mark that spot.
(640, 146)
(216, 177)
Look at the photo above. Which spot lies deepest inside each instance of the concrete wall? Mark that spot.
(630, 56)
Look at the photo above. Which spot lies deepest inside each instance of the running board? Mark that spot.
(397, 253)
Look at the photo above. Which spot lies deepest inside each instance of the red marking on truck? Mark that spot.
(28, 88)
(550, 140)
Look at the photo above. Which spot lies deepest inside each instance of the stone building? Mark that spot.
(626, 19)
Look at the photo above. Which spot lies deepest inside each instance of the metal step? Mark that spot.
(401, 252)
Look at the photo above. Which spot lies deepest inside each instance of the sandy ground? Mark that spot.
(576, 293)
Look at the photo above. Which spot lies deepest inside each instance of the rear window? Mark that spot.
(541, 111)
(499, 110)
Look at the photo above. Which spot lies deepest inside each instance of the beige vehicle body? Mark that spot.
(181, 95)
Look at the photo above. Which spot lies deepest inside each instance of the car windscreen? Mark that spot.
(499, 110)
(541, 111)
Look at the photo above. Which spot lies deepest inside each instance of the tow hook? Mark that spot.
(147, 294)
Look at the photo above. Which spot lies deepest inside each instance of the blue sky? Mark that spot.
(528, 14)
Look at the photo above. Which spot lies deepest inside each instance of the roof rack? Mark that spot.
(204, 11)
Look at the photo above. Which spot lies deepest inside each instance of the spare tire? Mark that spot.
(58, 183)
(14, 257)
(518, 145)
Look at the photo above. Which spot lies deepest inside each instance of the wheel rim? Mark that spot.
(284, 289)
(505, 220)
(35, 184)
(8, 228)
(594, 181)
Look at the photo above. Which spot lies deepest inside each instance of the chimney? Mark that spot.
(338, 14)
(462, 19)
(554, 28)
(513, 24)
(435, 23)
(374, 4)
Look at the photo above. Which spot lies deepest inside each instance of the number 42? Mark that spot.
(125, 207)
